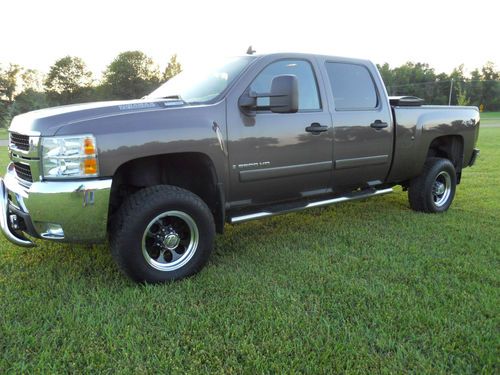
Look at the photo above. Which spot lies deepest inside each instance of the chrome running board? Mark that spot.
(327, 202)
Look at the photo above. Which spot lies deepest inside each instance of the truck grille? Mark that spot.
(22, 142)
(23, 172)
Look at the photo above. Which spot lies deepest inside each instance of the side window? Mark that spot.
(352, 86)
(308, 89)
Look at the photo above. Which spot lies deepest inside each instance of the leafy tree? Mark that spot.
(387, 76)
(32, 80)
(491, 86)
(173, 68)
(4, 114)
(68, 81)
(417, 79)
(8, 87)
(483, 86)
(9, 82)
(476, 88)
(458, 83)
(441, 90)
(132, 74)
(462, 98)
(29, 100)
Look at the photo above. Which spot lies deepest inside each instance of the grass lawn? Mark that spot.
(488, 118)
(365, 287)
(4, 134)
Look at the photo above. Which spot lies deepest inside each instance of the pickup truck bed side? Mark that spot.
(452, 131)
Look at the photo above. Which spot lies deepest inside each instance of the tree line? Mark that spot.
(481, 88)
(130, 75)
(133, 74)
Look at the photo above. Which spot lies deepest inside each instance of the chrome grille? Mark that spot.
(20, 141)
(23, 172)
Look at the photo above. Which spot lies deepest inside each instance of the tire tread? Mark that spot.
(146, 200)
(418, 193)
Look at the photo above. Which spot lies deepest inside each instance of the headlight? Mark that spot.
(70, 157)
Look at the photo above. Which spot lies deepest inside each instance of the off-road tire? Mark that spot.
(423, 191)
(137, 214)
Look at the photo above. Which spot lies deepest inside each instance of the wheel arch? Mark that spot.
(450, 147)
(193, 171)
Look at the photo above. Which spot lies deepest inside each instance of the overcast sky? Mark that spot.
(443, 33)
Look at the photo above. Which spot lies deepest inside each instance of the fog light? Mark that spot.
(14, 222)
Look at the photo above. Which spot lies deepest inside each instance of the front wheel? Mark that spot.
(434, 190)
(162, 233)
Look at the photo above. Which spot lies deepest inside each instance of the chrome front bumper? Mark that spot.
(69, 211)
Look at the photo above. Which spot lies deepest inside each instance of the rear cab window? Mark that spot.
(352, 86)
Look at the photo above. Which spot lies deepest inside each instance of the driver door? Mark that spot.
(272, 157)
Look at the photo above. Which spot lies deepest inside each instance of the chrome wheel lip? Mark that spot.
(188, 252)
(441, 189)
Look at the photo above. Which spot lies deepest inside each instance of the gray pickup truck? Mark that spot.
(243, 139)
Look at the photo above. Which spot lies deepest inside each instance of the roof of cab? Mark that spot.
(312, 55)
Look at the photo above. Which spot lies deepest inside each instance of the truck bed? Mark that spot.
(417, 126)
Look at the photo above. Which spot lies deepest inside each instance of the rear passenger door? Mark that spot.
(361, 116)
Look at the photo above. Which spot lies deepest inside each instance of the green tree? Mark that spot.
(417, 79)
(32, 80)
(173, 68)
(8, 86)
(387, 76)
(476, 88)
(4, 114)
(132, 74)
(459, 84)
(462, 98)
(29, 100)
(8, 82)
(68, 81)
(491, 86)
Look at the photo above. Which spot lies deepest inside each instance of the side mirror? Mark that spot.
(283, 98)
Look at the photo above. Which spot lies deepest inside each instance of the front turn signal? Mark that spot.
(90, 166)
(88, 146)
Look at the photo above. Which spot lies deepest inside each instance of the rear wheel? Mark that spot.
(433, 191)
(162, 233)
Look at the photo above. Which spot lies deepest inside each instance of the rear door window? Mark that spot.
(352, 87)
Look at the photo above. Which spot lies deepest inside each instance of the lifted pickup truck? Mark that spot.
(250, 137)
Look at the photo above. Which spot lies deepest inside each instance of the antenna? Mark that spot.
(250, 50)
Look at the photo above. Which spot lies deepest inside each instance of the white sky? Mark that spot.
(35, 33)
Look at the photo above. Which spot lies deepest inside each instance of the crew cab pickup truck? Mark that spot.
(246, 138)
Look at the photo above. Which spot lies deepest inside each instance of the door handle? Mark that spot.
(378, 124)
(316, 128)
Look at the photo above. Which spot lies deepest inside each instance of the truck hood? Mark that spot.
(46, 122)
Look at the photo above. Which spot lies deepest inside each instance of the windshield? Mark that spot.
(204, 83)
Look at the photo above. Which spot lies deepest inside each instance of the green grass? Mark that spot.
(4, 134)
(361, 287)
(488, 118)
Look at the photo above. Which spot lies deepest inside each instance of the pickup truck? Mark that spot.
(241, 139)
